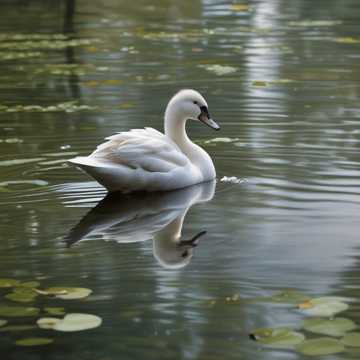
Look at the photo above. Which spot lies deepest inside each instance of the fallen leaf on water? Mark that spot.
(239, 7)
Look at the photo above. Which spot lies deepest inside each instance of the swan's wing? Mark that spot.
(145, 149)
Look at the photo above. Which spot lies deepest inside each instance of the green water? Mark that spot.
(289, 112)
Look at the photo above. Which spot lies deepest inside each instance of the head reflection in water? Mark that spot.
(139, 217)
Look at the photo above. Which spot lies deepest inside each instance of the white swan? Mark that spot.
(129, 218)
(145, 159)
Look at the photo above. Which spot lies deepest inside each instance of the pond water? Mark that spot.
(282, 78)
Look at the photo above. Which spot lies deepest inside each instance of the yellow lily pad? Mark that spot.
(18, 311)
(34, 341)
(320, 346)
(68, 293)
(332, 327)
(277, 337)
(239, 7)
(6, 283)
(47, 322)
(78, 322)
(351, 339)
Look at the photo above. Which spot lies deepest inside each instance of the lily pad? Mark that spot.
(78, 322)
(55, 310)
(18, 311)
(279, 338)
(239, 7)
(351, 339)
(219, 69)
(20, 297)
(332, 327)
(3, 322)
(320, 346)
(6, 283)
(31, 284)
(47, 322)
(326, 306)
(16, 328)
(34, 341)
(68, 293)
(286, 296)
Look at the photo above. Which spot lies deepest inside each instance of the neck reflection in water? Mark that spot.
(127, 218)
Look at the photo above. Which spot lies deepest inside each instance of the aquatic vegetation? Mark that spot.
(347, 40)
(351, 339)
(17, 328)
(332, 327)
(239, 7)
(47, 322)
(66, 293)
(7, 283)
(286, 296)
(323, 306)
(18, 311)
(221, 140)
(219, 69)
(77, 322)
(36, 341)
(259, 83)
(3, 322)
(55, 310)
(320, 346)
(278, 337)
(15, 55)
(68, 106)
(314, 23)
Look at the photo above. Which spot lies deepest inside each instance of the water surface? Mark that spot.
(285, 90)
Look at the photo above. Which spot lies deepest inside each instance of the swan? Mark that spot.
(147, 160)
(138, 217)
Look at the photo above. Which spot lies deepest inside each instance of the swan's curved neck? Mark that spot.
(174, 126)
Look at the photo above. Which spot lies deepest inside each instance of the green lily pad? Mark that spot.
(68, 293)
(219, 69)
(332, 327)
(3, 322)
(55, 310)
(78, 322)
(6, 283)
(22, 297)
(278, 338)
(286, 297)
(16, 328)
(351, 339)
(18, 311)
(47, 322)
(326, 306)
(30, 284)
(34, 341)
(320, 346)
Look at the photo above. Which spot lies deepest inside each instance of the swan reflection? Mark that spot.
(127, 218)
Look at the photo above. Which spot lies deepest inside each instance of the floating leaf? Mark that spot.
(34, 341)
(32, 284)
(320, 346)
(3, 322)
(55, 310)
(6, 283)
(239, 7)
(286, 296)
(68, 293)
(332, 327)
(22, 297)
(78, 322)
(47, 322)
(219, 69)
(18, 311)
(259, 83)
(16, 328)
(279, 338)
(325, 306)
(351, 339)
(347, 40)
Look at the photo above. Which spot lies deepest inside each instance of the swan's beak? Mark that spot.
(206, 119)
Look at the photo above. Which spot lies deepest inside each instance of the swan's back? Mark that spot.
(140, 159)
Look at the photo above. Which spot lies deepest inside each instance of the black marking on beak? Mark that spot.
(193, 242)
(205, 118)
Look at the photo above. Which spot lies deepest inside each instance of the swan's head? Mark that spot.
(190, 104)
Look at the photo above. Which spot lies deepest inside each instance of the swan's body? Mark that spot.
(147, 160)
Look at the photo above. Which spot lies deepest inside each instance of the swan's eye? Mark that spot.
(195, 102)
